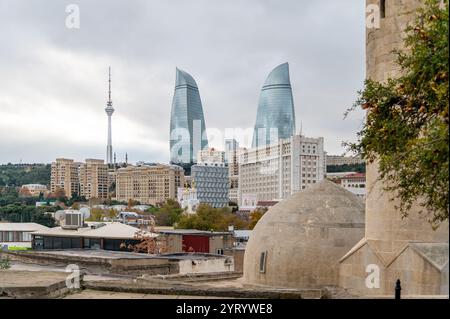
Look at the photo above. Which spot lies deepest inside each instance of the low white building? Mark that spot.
(36, 189)
(187, 198)
(355, 183)
(108, 236)
(18, 234)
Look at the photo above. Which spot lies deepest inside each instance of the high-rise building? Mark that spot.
(64, 175)
(149, 184)
(232, 152)
(93, 177)
(275, 119)
(211, 155)
(210, 182)
(277, 171)
(109, 111)
(187, 123)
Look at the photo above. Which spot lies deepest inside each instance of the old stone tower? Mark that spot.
(406, 249)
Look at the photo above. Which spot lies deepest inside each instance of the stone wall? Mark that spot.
(207, 265)
(383, 220)
(398, 246)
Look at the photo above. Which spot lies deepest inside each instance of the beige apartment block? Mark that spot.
(149, 184)
(394, 248)
(210, 155)
(277, 171)
(64, 175)
(35, 189)
(233, 172)
(93, 176)
(344, 160)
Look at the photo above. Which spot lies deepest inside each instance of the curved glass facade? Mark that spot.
(187, 123)
(276, 115)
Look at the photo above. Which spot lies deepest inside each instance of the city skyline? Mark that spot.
(61, 98)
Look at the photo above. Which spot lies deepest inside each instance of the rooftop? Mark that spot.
(192, 232)
(110, 230)
(31, 227)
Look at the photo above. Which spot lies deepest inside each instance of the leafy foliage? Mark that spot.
(168, 214)
(358, 168)
(406, 130)
(4, 263)
(255, 216)
(209, 218)
(20, 174)
(16, 209)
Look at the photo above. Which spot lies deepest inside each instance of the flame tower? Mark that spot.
(109, 111)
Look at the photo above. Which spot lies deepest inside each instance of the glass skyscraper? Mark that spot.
(187, 123)
(276, 115)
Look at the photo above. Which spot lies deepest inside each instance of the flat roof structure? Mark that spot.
(25, 227)
(110, 230)
(193, 232)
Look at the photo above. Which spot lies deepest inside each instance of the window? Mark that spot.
(38, 242)
(383, 8)
(26, 236)
(219, 251)
(262, 262)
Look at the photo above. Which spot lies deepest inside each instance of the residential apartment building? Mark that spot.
(210, 155)
(64, 175)
(337, 160)
(149, 184)
(35, 189)
(232, 152)
(355, 183)
(93, 177)
(276, 171)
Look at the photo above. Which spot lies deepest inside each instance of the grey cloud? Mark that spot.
(228, 46)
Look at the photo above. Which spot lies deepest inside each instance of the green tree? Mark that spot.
(406, 129)
(255, 216)
(168, 214)
(209, 218)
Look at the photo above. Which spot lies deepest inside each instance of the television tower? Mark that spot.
(109, 111)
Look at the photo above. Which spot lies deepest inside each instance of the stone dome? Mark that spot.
(299, 241)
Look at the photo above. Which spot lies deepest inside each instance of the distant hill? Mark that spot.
(19, 174)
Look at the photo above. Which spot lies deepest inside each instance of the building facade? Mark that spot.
(211, 155)
(35, 189)
(211, 184)
(18, 234)
(275, 118)
(93, 176)
(279, 170)
(187, 123)
(336, 160)
(149, 184)
(232, 152)
(64, 175)
(355, 183)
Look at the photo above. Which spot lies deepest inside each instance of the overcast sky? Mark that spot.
(53, 80)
